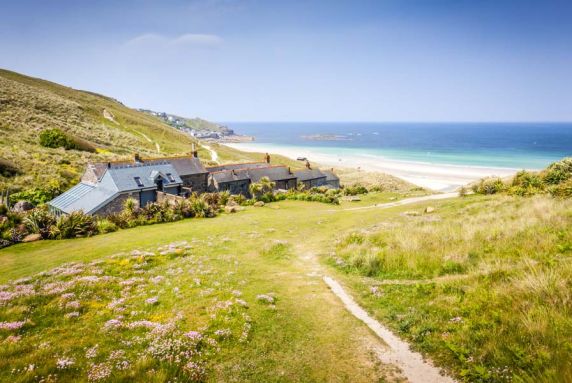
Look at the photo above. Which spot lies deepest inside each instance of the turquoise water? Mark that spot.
(505, 145)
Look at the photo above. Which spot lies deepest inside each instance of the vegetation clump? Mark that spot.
(553, 180)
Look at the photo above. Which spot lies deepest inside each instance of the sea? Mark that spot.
(437, 155)
(512, 145)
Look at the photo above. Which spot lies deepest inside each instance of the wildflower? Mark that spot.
(195, 370)
(98, 372)
(152, 301)
(194, 335)
(64, 363)
(11, 325)
(456, 320)
(67, 296)
(236, 293)
(112, 324)
(265, 298)
(375, 291)
(242, 303)
(158, 279)
(72, 305)
(73, 314)
(116, 303)
(223, 334)
(142, 324)
(91, 352)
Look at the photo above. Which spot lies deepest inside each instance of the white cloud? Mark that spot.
(186, 40)
(197, 39)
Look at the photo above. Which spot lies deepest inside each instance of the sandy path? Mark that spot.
(214, 154)
(412, 365)
(406, 201)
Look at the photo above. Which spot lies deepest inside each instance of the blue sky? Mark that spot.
(225, 60)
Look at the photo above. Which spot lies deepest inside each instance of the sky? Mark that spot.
(264, 60)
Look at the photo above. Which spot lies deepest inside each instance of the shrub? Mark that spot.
(489, 186)
(55, 138)
(39, 221)
(224, 197)
(200, 207)
(3, 209)
(106, 226)
(354, 190)
(38, 195)
(463, 191)
(8, 168)
(75, 225)
(262, 187)
(558, 172)
(239, 199)
(562, 190)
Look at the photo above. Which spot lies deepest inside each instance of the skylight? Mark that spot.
(170, 177)
(138, 181)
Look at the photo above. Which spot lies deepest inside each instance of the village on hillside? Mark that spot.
(105, 186)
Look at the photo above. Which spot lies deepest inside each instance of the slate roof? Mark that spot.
(124, 176)
(274, 173)
(330, 175)
(114, 181)
(309, 174)
(244, 165)
(186, 165)
(71, 196)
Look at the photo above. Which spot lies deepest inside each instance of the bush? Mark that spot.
(558, 172)
(354, 190)
(8, 168)
(200, 207)
(562, 190)
(75, 225)
(55, 138)
(489, 186)
(39, 221)
(106, 226)
(38, 195)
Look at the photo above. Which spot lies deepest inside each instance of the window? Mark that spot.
(138, 181)
(170, 177)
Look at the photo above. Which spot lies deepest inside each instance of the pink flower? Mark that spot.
(11, 325)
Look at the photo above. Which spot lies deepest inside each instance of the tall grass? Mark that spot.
(485, 287)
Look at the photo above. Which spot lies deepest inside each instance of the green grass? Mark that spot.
(483, 285)
(489, 299)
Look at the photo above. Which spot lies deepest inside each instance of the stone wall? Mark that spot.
(116, 205)
(171, 198)
(197, 182)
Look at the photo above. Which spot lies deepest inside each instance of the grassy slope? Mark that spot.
(504, 273)
(309, 337)
(28, 105)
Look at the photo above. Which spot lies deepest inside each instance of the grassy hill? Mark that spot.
(29, 106)
(488, 299)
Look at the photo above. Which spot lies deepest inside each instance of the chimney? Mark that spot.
(194, 151)
(136, 158)
(109, 165)
(289, 170)
(308, 164)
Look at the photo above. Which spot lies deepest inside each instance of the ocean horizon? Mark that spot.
(441, 156)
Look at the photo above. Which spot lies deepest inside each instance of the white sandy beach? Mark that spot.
(439, 177)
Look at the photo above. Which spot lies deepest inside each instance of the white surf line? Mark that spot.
(411, 363)
(406, 201)
(214, 154)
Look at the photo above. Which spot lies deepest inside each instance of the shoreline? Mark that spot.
(438, 177)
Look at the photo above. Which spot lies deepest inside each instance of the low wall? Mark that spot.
(170, 198)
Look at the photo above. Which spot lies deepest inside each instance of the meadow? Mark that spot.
(476, 285)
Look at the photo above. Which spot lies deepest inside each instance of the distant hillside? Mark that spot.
(29, 106)
(194, 126)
